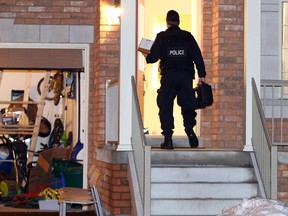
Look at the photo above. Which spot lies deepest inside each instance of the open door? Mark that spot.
(140, 77)
(151, 20)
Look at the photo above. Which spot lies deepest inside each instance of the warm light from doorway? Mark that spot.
(113, 15)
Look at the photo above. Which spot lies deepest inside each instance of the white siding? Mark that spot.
(270, 36)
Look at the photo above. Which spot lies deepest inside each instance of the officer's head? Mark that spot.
(172, 18)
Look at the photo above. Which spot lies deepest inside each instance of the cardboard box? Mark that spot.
(145, 45)
(49, 205)
(38, 179)
(45, 158)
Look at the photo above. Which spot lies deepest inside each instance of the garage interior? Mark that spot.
(40, 103)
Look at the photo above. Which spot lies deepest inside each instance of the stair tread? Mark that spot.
(201, 166)
(204, 183)
(204, 180)
(212, 158)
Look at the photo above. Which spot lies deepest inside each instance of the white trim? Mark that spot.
(44, 45)
(84, 89)
(127, 69)
(252, 55)
(281, 36)
(84, 123)
(196, 12)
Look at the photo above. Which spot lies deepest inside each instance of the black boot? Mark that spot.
(167, 144)
(193, 140)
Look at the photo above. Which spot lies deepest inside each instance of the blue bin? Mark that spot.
(6, 166)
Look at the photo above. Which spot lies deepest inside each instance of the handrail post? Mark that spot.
(274, 169)
(147, 191)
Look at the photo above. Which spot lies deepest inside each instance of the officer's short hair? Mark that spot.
(172, 17)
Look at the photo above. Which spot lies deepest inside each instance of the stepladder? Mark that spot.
(23, 127)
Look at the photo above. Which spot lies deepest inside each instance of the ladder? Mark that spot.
(21, 129)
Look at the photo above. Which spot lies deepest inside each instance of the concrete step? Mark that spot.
(188, 174)
(203, 190)
(195, 207)
(201, 156)
(200, 181)
(179, 141)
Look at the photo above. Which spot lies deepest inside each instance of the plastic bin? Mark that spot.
(6, 166)
(72, 171)
(73, 176)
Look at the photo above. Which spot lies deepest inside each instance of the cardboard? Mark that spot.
(145, 45)
(38, 179)
(45, 158)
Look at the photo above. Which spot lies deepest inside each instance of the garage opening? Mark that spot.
(62, 122)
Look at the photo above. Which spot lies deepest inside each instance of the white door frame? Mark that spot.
(84, 84)
(252, 61)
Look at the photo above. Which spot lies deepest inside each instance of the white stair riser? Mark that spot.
(200, 183)
(202, 174)
(190, 207)
(203, 191)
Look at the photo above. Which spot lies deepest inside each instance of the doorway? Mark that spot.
(151, 20)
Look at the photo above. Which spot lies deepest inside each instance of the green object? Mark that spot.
(4, 188)
(60, 164)
(73, 176)
(64, 138)
(71, 170)
(9, 188)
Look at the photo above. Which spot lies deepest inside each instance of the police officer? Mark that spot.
(178, 51)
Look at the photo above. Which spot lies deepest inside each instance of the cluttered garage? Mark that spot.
(40, 125)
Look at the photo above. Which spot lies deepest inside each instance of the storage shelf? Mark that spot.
(22, 102)
(17, 129)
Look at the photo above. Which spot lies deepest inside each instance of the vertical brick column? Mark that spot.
(114, 188)
(223, 50)
(206, 131)
(111, 179)
(107, 59)
(282, 182)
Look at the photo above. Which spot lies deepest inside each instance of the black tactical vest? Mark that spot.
(176, 50)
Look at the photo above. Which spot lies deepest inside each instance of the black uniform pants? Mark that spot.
(176, 83)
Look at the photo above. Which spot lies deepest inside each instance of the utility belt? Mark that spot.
(164, 70)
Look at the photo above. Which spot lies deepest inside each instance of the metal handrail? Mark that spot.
(261, 113)
(265, 152)
(141, 153)
(274, 100)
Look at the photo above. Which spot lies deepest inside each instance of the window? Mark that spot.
(284, 60)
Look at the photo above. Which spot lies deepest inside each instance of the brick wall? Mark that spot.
(56, 12)
(223, 51)
(113, 187)
(111, 179)
(282, 173)
(108, 59)
(283, 182)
